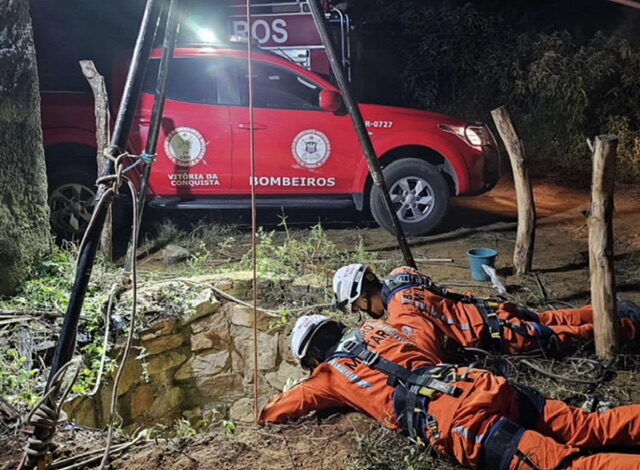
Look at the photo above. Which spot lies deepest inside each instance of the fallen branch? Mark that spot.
(34, 313)
(418, 260)
(115, 450)
(497, 227)
(467, 284)
(419, 241)
(558, 376)
(543, 292)
(7, 412)
(225, 295)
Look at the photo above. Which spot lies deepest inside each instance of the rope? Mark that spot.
(105, 341)
(252, 151)
(132, 323)
(45, 414)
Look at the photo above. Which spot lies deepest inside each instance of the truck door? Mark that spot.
(194, 146)
(300, 149)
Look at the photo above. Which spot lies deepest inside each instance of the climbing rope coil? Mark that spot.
(47, 412)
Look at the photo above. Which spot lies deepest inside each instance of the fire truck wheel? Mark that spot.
(419, 194)
(72, 195)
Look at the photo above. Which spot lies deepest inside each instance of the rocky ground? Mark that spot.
(561, 279)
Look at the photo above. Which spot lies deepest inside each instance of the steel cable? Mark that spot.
(252, 153)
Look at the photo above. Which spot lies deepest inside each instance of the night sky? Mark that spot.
(69, 30)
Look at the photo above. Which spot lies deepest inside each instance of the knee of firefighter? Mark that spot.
(540, 452)
(531, 404)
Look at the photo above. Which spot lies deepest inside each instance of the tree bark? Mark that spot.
(103, 120)
(24, 213)
(603, 282)
(525, 238)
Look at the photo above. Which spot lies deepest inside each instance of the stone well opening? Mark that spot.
(193, 355)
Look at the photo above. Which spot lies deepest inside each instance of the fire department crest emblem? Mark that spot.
(311, 148)
(185, 146)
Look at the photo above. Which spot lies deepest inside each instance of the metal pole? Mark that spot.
(66, 341)
(361, 130)
(171, 34)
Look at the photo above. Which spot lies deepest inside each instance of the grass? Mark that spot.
(283, 254)
(48, 289)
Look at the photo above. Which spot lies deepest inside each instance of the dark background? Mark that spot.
(566, 69)
(67, 31)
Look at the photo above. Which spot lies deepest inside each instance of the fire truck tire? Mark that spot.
(419, 194)
(72, 193)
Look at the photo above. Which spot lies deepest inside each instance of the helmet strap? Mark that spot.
(369, 309)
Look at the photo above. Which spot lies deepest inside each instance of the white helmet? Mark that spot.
(347, 285)
(304, 330)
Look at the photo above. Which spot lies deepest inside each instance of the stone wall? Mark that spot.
(194, 356)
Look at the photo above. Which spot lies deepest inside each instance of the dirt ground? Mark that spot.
(561, 266)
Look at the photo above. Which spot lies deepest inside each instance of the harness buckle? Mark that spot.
(349, 346)
(432, 426)
(369, 357)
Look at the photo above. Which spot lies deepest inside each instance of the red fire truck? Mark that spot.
(307, 153)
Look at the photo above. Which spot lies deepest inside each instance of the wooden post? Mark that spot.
(603, 282)
(103, 120)
(525, 239)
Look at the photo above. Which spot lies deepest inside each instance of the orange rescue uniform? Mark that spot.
(464, 323)
(461, 424)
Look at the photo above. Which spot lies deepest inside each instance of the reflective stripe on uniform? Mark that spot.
(430, 311)
(469, 435)
(350, 375)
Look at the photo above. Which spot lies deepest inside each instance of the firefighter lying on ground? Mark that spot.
(424, 310)
(471, 415)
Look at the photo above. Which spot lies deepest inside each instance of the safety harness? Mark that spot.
(414, 388)
(488, 308)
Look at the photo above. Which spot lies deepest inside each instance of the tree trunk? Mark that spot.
(525, 238)
(103, 121)
(24, 213)
(603, 282)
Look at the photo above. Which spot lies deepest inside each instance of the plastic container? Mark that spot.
(478, 257)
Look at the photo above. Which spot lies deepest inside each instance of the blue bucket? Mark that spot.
(478, 257)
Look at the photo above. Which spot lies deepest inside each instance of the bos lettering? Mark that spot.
(263, 31)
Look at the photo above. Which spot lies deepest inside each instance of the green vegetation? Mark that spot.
(301, 252)
(382, 449)
(17, 380)
(281, 254)
(560, 85)
(48, 290)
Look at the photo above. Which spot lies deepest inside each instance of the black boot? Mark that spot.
(630, 310)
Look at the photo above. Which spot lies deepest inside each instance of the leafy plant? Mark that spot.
(48, 289)
(297, 254)
(18, 383)
(229, 426)
(561, 87)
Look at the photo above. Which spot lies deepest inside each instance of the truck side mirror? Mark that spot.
(330, 101)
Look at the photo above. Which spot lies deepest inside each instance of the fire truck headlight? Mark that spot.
(473, 136)
(206, 35)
